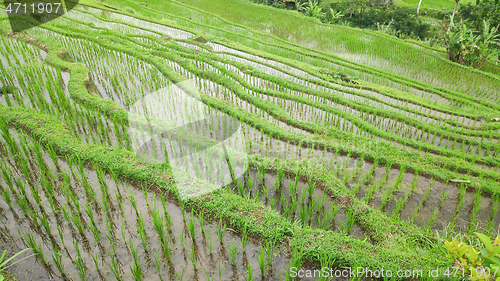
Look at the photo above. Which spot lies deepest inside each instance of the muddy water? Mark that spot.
(102, 86)
(263, 145)
(388, 206)
(272, 71)
(446, 213)
(312, 114)
(270, 147)
(264, 187)
(122, 233)
(162, 29)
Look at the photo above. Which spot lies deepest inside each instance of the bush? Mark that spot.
(475, 14)
(403, 22)
(470, 47)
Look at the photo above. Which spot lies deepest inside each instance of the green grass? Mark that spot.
(242, 213)
(390, 243)
(273, 26)
(444, 5)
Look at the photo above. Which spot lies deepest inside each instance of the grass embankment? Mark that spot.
(396, 58)
(361, 107)
(439, 167)
(260, 221)
(392, 93)
(239, 211)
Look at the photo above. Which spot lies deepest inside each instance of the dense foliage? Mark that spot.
(378, 15)
(475, 14)
(481, 19)
(403, 22)
(470, 38)
(470, 47)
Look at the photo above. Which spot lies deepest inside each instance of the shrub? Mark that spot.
(402, 21)
(481, 263)
(470, 47)
(475, 14)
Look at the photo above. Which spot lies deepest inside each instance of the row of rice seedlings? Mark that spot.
(348, 95)
(138, 23)
(335, 89)
(59, 104)
(97, 22)
(477, 206)
(494, 211)
(125, 79)
(430, 79)
(74, 215)
(349, 223)
(319, 61)
(293, 53)
(266, 257)
(469, 120)
(17, 53)
(405, 131)
(388, 125)
(432, 218)
(394, 188)
(364, 101)
(461, 200)
(303, 205)
(422, 202)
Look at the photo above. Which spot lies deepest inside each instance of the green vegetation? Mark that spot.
(4, 264)
(480, 264)
(361, 148)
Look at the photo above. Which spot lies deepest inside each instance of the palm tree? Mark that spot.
(313, 9)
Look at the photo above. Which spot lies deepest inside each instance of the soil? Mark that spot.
(7, 90)
(200, 39)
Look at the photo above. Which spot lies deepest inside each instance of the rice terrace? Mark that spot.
(249, 140)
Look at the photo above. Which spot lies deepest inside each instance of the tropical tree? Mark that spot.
(335, 16)
(313, 9)
(469, 47)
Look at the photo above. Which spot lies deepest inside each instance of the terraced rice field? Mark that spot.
(329, 159)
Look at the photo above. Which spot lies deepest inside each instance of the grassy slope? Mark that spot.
(313, 234)
(239, 211)
(426, 4)
(431, 4)
(393, 238)
(376, 50)
(414, 158)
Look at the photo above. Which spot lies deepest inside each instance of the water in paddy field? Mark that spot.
(442, 199)
(109, 239)
(295, 201)
(116, 220)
